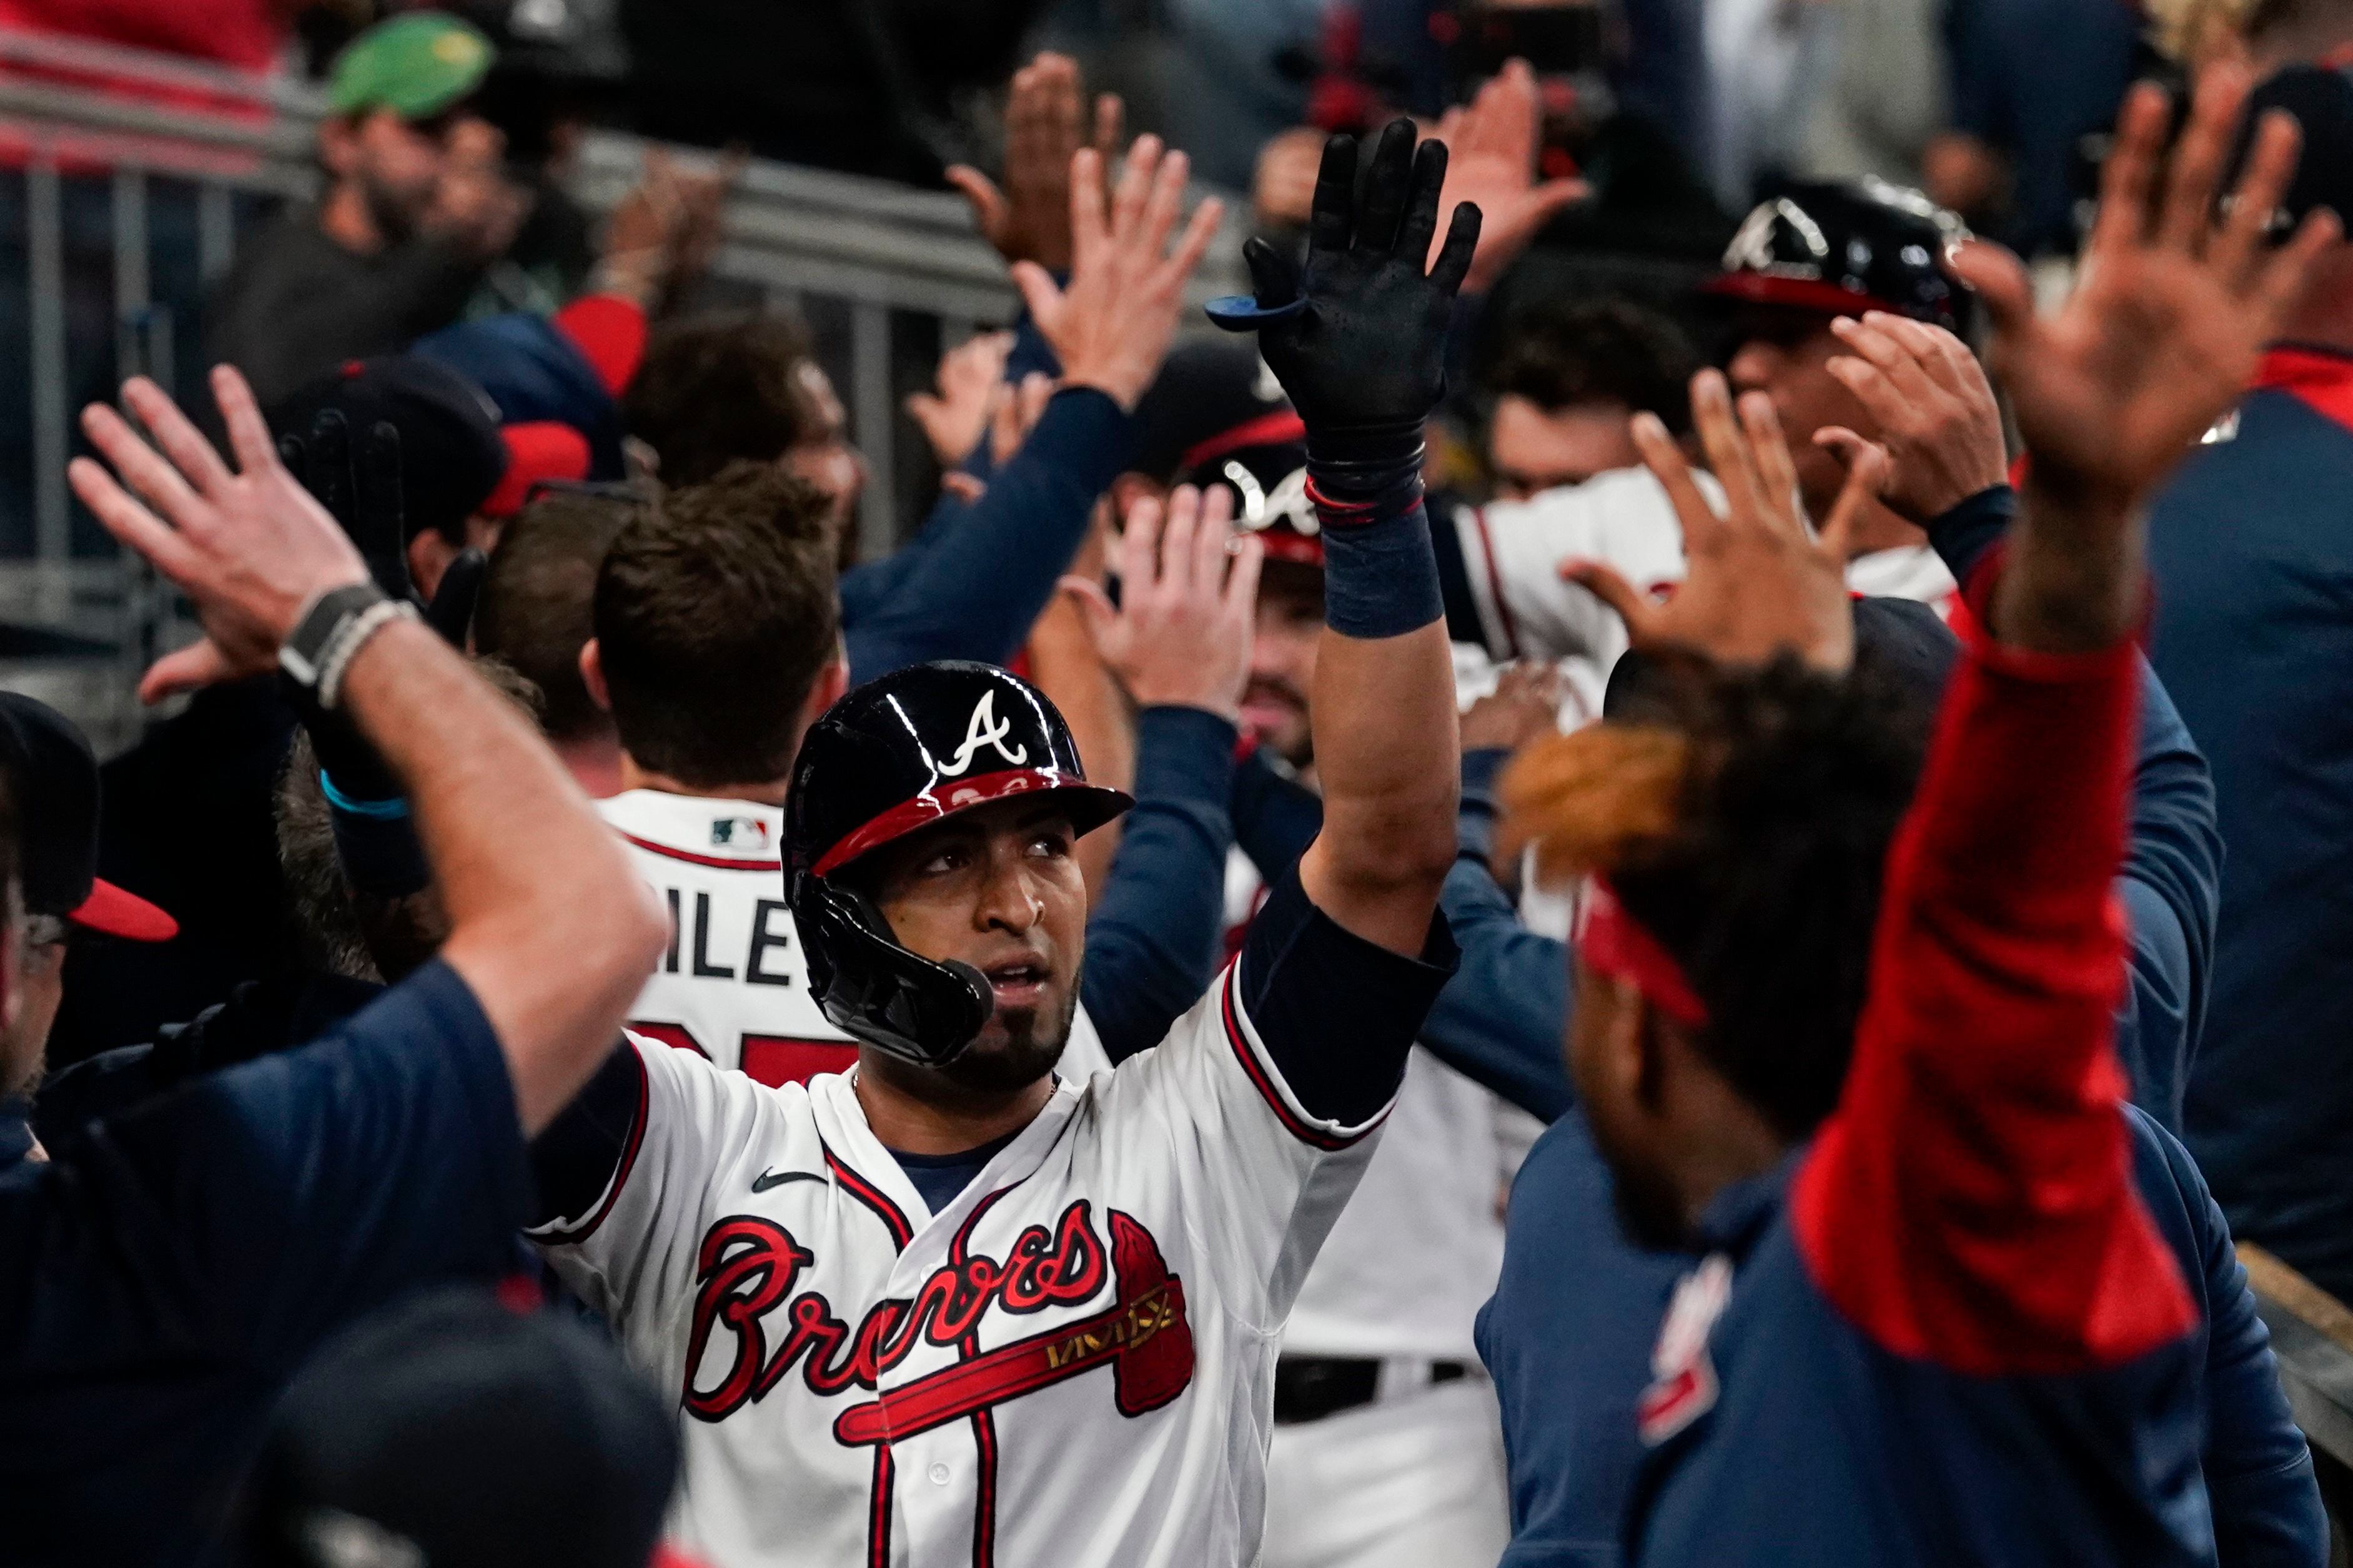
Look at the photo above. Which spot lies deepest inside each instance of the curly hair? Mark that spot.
(1743, 819)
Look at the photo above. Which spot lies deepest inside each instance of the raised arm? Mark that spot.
(1358, 342)
(551, 929)
(1972, 1199)
(1179, 641)
(974, 590)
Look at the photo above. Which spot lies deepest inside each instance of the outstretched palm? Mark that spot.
(2174, 305)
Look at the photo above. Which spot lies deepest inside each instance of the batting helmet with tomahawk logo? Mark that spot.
(902, 751)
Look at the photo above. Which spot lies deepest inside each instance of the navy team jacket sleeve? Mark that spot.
(283, 1197)
(1970, 1202)
(974, 591)
(1498, 1022)
(2172, 883)
(2171, 895)
(1153, 939)
(2258, 1471)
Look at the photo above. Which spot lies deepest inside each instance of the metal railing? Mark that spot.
(890, 267)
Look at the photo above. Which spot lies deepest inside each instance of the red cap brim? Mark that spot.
(1796, 293)
(536, 451)
(127, 915)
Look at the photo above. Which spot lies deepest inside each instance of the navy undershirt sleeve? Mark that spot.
(281, 1198)
(975, 591)
(1154, 940)
(1336, 1013)
(574, 1158)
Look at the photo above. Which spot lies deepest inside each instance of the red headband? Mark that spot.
(1612, 943)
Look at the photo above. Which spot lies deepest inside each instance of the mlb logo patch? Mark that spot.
(739, 833)
(1683, 1386)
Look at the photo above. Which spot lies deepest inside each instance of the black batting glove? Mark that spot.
(1358, 339)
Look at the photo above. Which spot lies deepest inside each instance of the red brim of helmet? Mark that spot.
(1796, 293)
(127, 915)
(1090, 805)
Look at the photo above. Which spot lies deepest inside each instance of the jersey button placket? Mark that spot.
(940, 1474)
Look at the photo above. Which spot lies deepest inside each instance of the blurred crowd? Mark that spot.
(1638, 866)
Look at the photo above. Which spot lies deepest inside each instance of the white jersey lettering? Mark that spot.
(1071, 1361)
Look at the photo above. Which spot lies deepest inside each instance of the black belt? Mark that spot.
(1310, 1387)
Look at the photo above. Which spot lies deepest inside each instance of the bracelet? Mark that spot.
(331, 632)
(381, 810)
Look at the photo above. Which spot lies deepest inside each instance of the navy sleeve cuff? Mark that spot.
(1337, 1014)
(1963, 534)
(1087, 434)
(1185, 755)
(1474, 826)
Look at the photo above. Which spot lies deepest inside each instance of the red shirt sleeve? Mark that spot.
(1971, 1201)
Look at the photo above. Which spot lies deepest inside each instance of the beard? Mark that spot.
(399, 214)
(1017, 1046)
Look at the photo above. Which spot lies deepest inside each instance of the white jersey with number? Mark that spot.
(1071, 1362)
(732, 987)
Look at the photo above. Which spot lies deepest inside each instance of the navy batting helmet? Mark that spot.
(1843, 248)
(902, 751)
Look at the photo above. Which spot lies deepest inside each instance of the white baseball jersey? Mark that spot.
(1512, 554)
(1417, 1253)
(1071, 1362)
(732, 987)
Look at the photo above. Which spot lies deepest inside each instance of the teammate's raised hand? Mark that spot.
(1112, 326)
(1934, 406)
(1493, 144)
(1180, 635)
(2159, 338)
(1359, 339)
(1759, 582)
(252, 547)
(1029, 219)
(970, 380)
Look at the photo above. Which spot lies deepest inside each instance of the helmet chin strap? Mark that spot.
(982, 991)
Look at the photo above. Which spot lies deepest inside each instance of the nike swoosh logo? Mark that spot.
(767, 1179)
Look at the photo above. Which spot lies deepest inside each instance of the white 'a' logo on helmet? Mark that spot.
(986, 729)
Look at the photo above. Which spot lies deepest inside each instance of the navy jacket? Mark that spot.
(1569, 1333)
(2253, 560)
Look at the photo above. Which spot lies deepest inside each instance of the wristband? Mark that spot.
(1380, 578)
(330, 635)
(377, 845)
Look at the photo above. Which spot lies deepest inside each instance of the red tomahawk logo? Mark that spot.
(1144, 1334)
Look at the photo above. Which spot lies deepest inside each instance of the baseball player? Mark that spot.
(693, 595)
(1798, 264)
(718, 579)
(951, 1307)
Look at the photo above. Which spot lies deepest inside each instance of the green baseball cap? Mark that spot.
(415, 65)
